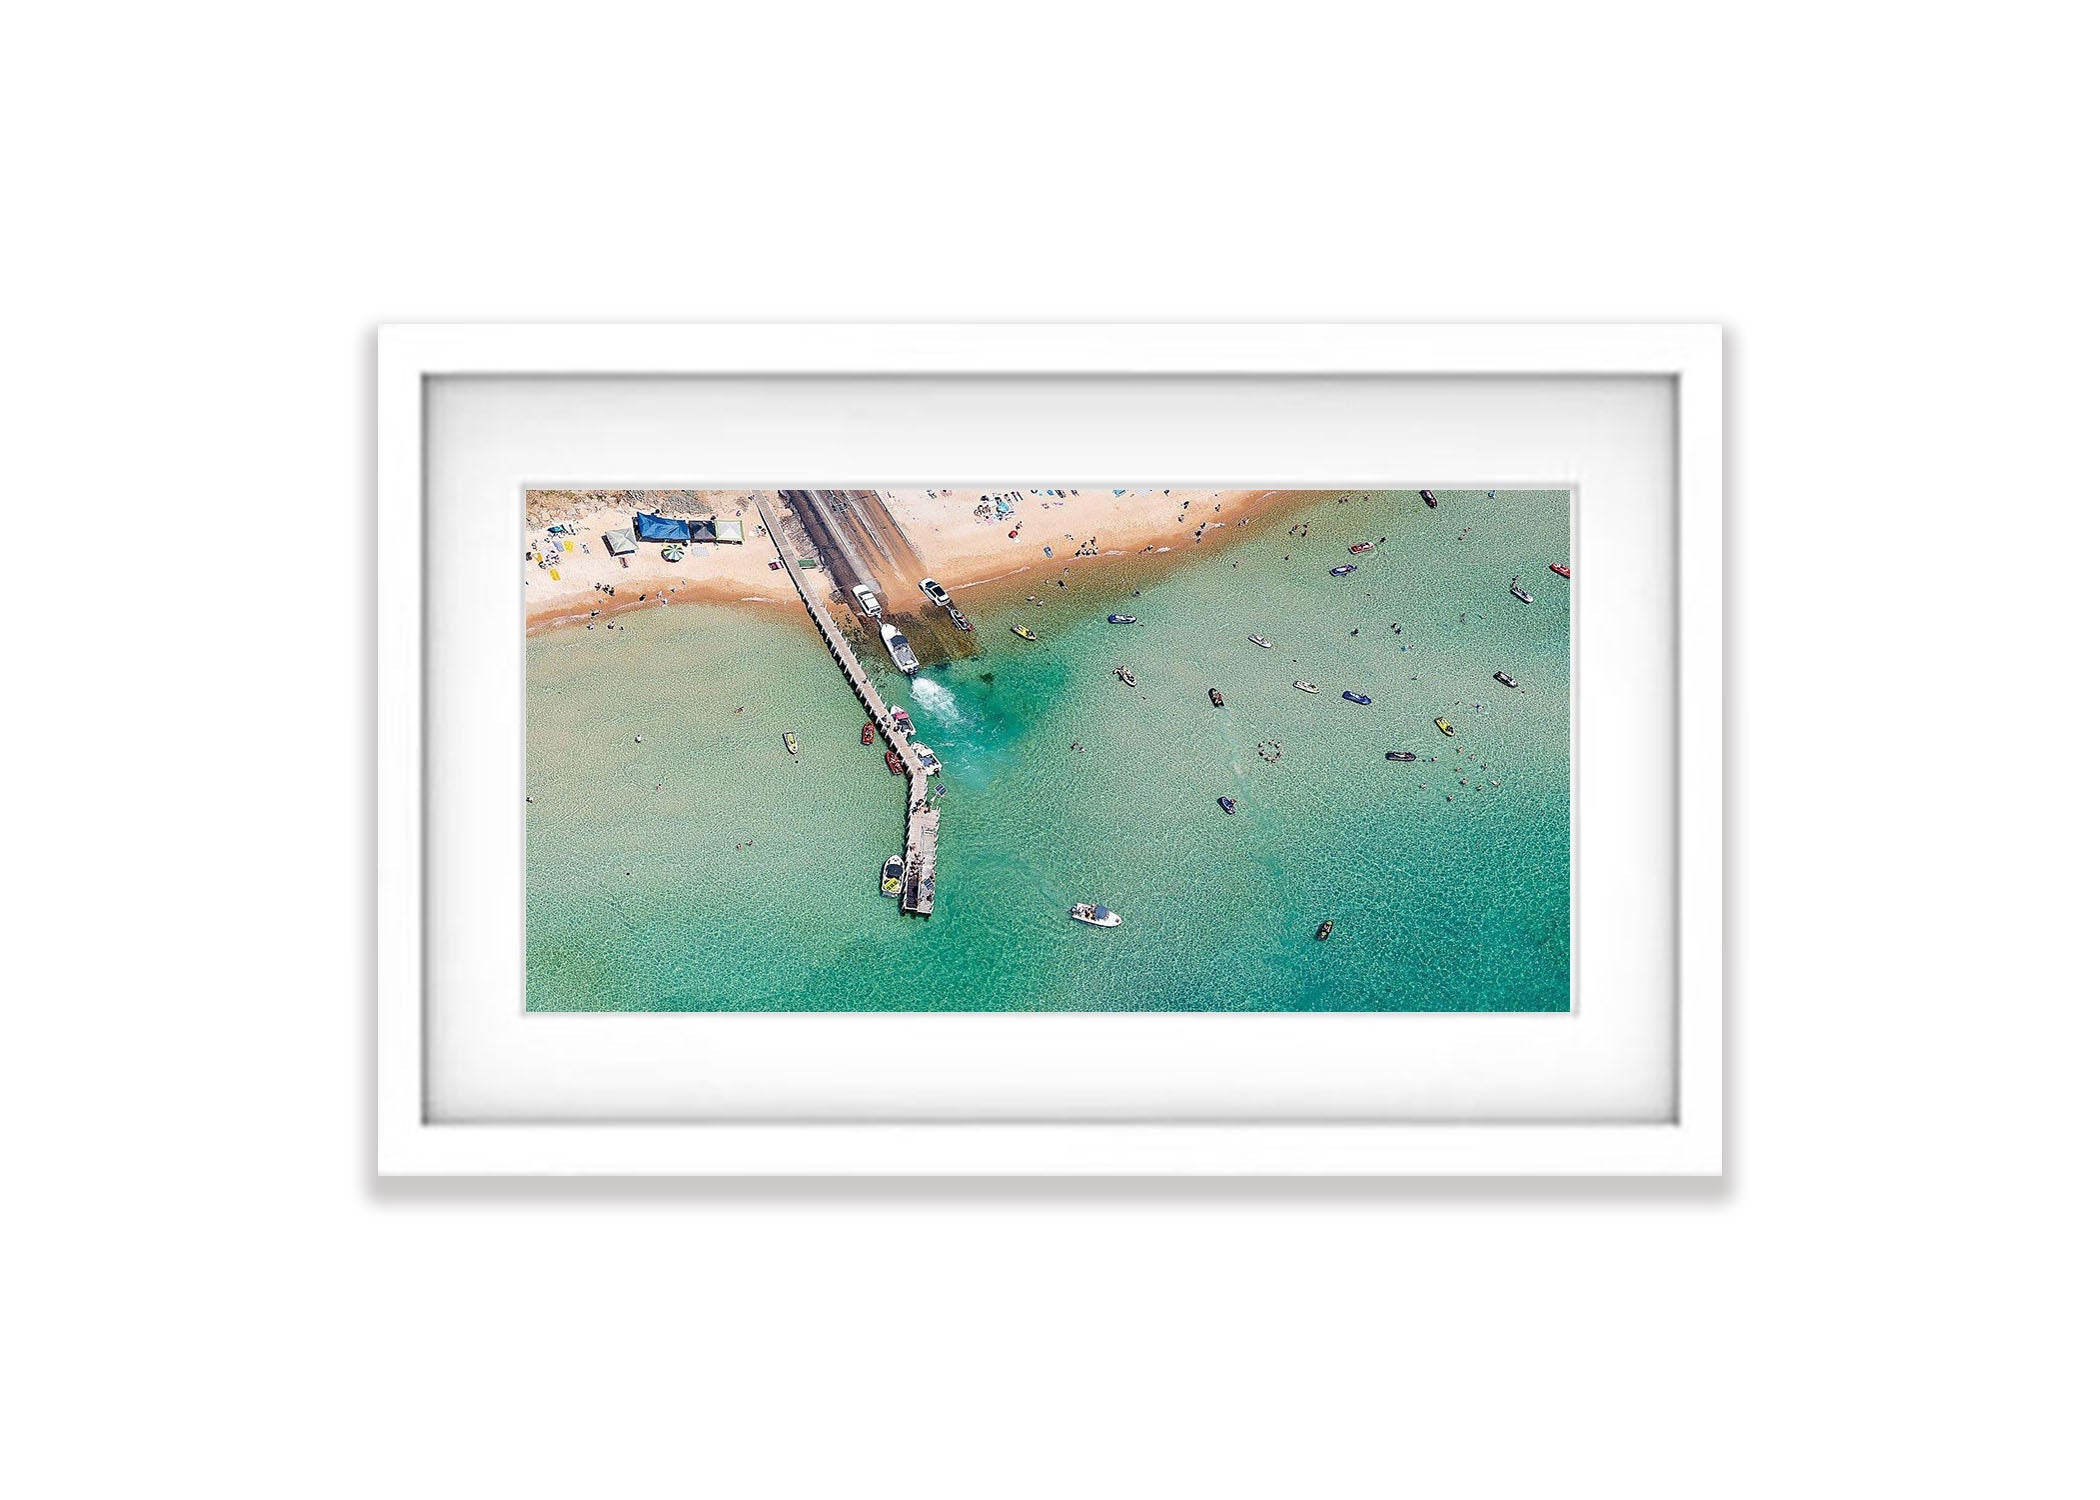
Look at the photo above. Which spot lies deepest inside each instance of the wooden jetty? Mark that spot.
(921, 830)
(922, 823)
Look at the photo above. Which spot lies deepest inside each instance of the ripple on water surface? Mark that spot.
(706, 869)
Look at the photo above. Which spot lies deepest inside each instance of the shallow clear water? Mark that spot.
(1444, 897)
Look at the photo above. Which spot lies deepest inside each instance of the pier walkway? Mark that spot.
(922, 824)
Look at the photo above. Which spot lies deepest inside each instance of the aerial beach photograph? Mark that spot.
(1014, 748)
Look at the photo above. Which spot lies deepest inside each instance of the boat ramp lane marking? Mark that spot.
(922, 823)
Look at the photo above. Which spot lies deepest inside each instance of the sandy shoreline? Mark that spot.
(716, 573)
(964, 551)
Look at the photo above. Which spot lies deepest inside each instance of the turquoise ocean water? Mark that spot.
(1444, 896)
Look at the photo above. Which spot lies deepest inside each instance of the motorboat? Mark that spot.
(1356, 698)
(1129, 677)
(894, 761)
(1514, 589)
(1445, 725)
(1263, 641)
(900, 649)
(1217, 699)
(1343, 571)
(789, 740)
(1326, 930)
(1305, 687)
(1095, 916)
(1429, 498)
(902, 720)
(892, 883)
(867, 733)
(1361, 548)
(1023, 632)
(928, 761)
(1228, 804)
(961, 620)
(1562, 569)
(1122, 619)
(935, 592)
(1400, 755)
(1505, 679)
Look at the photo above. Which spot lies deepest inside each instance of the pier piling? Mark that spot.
(922, 822)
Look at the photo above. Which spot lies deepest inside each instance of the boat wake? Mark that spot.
(936, 700)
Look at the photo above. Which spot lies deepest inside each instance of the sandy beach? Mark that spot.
(1076, 525)
(577, 575)
(665, 790)
(956, 535)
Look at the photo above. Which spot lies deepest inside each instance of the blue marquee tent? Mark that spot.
(650, 528)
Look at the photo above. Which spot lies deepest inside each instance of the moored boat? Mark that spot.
(788, 739)
(894, 761)
(1228, 804)
(1263, 641)
(1562, 569)
(1343, 571)
(1519, 592)
(1122, 619)
(902, 720)
(1429, 498)
(1326, 930)
(1505, 679)
(1305, 687)
(1129, 677)
(1356, 698)
(892, 882)
(1399, 755)
(1095, 915)
(1445, 725)
(1361, 548)
(1022, 631)
(867, 733)
(1217, 699)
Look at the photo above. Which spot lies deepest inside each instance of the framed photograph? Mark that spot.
(1082, 750)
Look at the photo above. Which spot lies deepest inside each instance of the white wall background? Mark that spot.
(210, 206)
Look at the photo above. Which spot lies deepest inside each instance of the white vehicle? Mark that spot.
(869, 604)
(936, 593)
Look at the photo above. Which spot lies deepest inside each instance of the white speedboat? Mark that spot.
(1262, 641)
(1304, 687)
(1095, 916)
(900, 649)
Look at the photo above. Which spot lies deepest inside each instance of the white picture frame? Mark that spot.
(1687, 1142)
